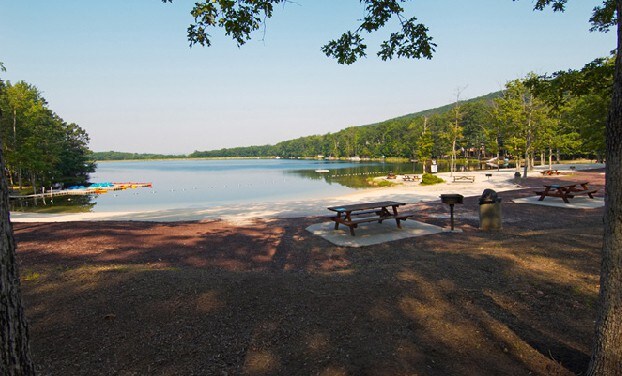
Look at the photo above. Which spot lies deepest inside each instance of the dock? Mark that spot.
(94, 189)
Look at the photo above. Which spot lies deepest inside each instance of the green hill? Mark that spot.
(390, 138)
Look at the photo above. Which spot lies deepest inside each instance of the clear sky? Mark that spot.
(124, 71)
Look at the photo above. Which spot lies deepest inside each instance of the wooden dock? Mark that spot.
(83, 191)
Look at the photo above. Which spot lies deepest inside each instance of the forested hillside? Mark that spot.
(391, 138)
(563, 114)
(552, 116)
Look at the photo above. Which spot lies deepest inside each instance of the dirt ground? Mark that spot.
(212, 298)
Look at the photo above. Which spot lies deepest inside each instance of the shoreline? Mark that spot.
(411, 193)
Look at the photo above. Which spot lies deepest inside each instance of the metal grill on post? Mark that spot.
(452, 199)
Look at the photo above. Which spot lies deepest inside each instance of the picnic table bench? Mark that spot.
(550, 172)
(411, 178)
(353, 215)
(464, 179)
(566, 191)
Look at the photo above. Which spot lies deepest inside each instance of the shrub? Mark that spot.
(430, 179)
(379, 182)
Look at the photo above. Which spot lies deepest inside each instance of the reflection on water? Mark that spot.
(356, 175)
(58, 204)
(208, 183)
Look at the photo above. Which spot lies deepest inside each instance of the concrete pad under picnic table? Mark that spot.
(372, 233)
(575, 203)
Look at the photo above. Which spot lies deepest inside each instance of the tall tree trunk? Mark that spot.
(452, 167)
(15, 359)
(550, 159)
(607, 348)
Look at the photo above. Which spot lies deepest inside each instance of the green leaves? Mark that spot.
(558, 5)
(240, 18)
(347, 49)
(38, 143)
(603, 17)
(412, 42)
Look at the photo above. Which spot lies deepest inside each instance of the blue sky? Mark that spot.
(124, 71)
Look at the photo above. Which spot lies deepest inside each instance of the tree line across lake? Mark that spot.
(552, 116)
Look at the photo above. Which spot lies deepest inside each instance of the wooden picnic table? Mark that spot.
(352, 215)
(566, 191)
(411, 178)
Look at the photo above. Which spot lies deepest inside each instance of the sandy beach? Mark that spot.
(408, 192)
(264, 296)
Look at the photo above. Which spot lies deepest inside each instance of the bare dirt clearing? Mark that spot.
(269, 298)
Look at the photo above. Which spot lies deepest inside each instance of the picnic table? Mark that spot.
(352, 215)
(550, 172)
(464, 179)
(566, 191)
(411, 178)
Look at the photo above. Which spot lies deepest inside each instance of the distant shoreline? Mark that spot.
(307, 206)
(389, 159)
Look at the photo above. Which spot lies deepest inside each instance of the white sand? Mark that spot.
(305, 206)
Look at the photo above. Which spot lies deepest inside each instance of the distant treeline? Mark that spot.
(551, 116)
(391, 138)
(121, 156)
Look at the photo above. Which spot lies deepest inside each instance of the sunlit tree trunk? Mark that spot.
(607, 348)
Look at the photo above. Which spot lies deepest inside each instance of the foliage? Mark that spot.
(400, 137)
(239, 19)
(380, 182)
(119, 156)
(38, 145)
(430, 179)
(520, 120)
(581, 99)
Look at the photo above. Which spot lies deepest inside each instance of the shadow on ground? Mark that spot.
(270, 298)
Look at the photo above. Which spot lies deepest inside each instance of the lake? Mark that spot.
(197, 183)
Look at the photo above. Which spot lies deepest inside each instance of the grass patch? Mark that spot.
(31, 276)
(380, 182)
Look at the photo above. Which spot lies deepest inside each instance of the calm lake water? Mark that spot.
(208, 183)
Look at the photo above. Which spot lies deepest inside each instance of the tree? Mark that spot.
(240, 18)
(526, 116)
(15, 356)
(580, 98)
(424, 144)
(454, 129)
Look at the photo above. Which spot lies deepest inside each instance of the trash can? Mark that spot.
(490, 211)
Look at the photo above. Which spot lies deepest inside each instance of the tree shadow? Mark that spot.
(270, 298)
